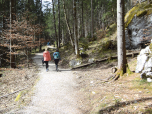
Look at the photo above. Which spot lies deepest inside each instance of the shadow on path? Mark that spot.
(119, 105)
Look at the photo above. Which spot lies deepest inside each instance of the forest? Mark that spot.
(24, 26)
(91, 33)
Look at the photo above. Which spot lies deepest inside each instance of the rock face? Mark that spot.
(144, 63)
(74, 63)
(138, 25)
(138, 32)
(91, 60)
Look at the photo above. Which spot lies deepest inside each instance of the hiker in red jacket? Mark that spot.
(47, 58)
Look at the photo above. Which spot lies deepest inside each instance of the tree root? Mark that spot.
(116, 75)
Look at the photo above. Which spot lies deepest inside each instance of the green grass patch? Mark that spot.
(112, 28)
(141, 84)
(148, 111)
(128, 70)
(103, 105)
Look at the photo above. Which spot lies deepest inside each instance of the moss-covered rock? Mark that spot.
(83, 53)
(108, 44)
(141, 13)
(150, 46)
(138, 26)
(83, 45)
(138, 10)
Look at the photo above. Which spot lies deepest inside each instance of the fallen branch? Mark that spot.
(13, 93)
(80, 66)
(105, 59)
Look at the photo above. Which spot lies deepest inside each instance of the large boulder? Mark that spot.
(138, 23)
(142, 59)
(83, 53)
(144, 63)
(92, 60)
(75, 62)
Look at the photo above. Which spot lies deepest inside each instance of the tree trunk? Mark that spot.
(68, 26)
(75, 29)
(1, 22)
(86, 28)
(59, 23)
(55, 26)
(121, 50)
(103, 24)
(92, 19)
(83, 32)
(40, 45)
(3, 62)
(62, 36)
(13, 10)
(12, 17)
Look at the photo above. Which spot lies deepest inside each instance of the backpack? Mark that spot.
(56, 55)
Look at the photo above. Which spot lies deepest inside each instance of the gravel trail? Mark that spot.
(55, 92)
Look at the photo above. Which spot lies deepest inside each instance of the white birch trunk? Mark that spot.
(68, 25)
(91, 20)
(121, 51)
(58, 23)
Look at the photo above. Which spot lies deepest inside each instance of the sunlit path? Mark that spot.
(54, 93)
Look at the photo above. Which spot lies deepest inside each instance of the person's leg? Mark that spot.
(43, 62)
(47, 65)
(46, 62)
(56, 63)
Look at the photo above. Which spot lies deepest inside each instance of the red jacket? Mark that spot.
(46, 56)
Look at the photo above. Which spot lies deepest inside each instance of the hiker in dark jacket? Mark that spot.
(56, 56)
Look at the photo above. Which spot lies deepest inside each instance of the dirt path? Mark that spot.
(54, 93)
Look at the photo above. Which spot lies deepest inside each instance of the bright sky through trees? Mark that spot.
(44, 4)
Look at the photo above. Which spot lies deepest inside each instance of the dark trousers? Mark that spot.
(46, 62)
(56, 62)
(42, 61)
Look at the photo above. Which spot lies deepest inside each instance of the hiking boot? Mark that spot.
(47, 70)
(57, 68)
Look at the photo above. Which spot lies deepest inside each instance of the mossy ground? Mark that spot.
(129, 94)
